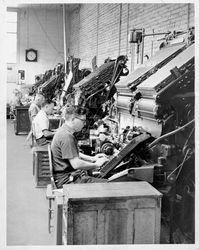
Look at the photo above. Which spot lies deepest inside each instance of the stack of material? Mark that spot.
(100, 83)
(54, 84)
(51, 83)
(96, 79)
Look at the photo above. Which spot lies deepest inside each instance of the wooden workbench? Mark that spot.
(111, 213)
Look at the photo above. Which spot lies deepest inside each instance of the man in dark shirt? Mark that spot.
(69, 165)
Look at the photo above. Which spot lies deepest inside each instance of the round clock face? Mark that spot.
(31, 55)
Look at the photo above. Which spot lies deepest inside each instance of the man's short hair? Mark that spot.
(47, 101)
(70, 109)
(39, 96)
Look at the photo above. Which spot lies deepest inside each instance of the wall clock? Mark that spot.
(31, 55)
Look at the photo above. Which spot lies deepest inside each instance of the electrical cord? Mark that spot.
(170, 133)
(189, 136)
(179, 166)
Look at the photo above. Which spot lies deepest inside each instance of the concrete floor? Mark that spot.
(27, 207)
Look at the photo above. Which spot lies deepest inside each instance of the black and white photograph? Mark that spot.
(98, 135)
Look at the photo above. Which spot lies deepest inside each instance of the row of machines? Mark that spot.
(144, 122)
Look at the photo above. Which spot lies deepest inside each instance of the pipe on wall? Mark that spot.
(120, 23)
(98, 11)
(64, 35)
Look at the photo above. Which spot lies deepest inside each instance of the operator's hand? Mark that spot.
(100, 161)
(54, 130)
(100, 155)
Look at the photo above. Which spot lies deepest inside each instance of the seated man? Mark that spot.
(69, 165)
(41, 124)
(35, 106)
(34, 109)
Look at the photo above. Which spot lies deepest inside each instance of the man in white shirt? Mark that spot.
(33, 110)
(41, 124)
(35, 106)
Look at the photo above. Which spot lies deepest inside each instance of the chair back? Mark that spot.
(33, 134)
(29, 115)
(51, 167)
(61, 122)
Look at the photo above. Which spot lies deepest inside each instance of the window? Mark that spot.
(11, 39)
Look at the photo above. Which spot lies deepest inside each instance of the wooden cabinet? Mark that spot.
(8, 111)
(22, 122)
(111, 213)
(41, 169)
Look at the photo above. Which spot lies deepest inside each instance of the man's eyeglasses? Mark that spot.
(80, 110)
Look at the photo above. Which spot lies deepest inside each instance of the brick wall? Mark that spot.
(102, 29)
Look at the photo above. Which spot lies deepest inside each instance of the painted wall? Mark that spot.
(102, 29)
(40, 29)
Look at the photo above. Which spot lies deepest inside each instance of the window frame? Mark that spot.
(10, 59)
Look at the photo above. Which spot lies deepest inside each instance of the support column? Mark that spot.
(64, 32)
